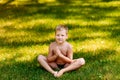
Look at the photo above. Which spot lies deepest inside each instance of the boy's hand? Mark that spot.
(59, 54)
(72, 61)
(57, 51)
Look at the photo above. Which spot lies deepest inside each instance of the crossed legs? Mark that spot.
(77, 63)
(43, 61)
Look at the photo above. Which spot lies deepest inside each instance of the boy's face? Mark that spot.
(61, 36)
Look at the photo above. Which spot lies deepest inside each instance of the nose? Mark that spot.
(60, 37)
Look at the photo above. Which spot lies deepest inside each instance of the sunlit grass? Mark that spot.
(108, 4)
(27, 30)
(113, 14)
(95, 44)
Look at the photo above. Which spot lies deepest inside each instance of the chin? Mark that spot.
(60, 42)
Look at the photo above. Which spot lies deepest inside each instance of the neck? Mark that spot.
(60, 43)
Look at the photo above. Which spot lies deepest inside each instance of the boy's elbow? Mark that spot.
(69, 61)
(48, 59)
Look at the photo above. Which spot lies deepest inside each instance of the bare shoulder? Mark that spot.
(68, 45)
(52, 44)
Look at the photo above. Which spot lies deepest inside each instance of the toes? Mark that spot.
(59, 74)
(55, 74)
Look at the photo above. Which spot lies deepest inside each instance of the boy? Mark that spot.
(60, 54)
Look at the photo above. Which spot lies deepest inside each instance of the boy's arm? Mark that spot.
(70, 52)
(69, 56)
(51, 56)
(66, 59)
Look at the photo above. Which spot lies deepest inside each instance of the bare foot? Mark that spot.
(55, 73)
(60, 73)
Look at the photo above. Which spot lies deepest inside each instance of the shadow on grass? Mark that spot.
(23, 71)
(8, 2)
(97, 55)
(54, 11)
(98, 64)
(95, 63)
(41, 30)
(24, 39)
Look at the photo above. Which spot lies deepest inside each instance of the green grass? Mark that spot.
(27, 28)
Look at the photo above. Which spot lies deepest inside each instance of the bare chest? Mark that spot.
(63, 50)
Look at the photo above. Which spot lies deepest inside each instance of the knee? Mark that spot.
(81, 61)
(40, 57)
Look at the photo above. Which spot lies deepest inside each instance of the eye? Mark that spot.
(62, 35)
(57, 35)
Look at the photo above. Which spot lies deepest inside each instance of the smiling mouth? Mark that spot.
(59, 40)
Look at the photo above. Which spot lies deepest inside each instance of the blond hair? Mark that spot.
(61, 27)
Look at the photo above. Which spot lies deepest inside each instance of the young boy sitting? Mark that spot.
(60, 54)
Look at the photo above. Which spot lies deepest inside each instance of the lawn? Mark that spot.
(27, 29)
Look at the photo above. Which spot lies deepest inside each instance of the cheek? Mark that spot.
(64, 37)
(56, 37)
